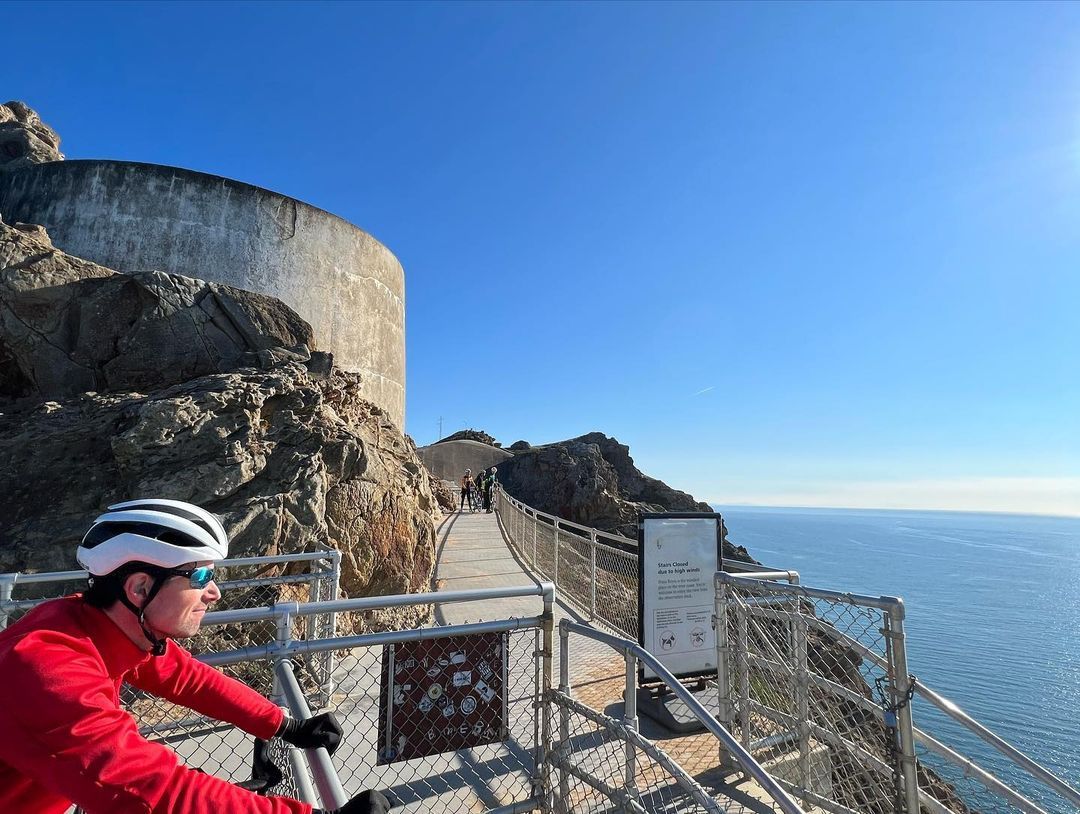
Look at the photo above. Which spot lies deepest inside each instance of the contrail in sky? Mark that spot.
(706, 390)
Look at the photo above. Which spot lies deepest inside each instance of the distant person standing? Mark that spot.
(466, 489)
(478, 488)
(489, 484)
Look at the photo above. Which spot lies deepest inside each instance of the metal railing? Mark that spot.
(783, 683)
(596, 570)
(542, 762)
(801, 667)
(610, 759)
(499, 777)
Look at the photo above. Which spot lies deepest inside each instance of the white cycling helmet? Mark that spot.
(167, 533)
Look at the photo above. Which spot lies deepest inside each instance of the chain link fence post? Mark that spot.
(592, 575)
(7, 587)
(555, 546)
(563, 801)
(725, 707)
(543, 765)
(802, 690)
(896, 640)
(630, 721)
(742, 648)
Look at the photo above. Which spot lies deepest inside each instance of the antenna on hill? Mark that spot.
(440, 428)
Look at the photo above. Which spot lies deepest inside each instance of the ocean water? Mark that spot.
(993, 613)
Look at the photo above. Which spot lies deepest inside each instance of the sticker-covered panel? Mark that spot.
(441, 695)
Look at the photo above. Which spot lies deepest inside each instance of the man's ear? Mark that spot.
(137, 588)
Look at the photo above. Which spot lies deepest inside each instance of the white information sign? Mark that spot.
(678, 557)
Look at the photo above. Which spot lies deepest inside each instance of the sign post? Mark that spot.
(678, 553)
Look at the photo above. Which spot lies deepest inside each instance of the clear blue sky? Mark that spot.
(791, 254)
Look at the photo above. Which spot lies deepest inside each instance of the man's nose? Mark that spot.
(212, 592)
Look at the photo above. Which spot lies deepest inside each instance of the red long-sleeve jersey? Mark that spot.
(64, 737)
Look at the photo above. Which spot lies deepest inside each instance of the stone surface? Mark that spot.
(518, 446)
(134, 217)
(471, 435)
(68, 326)
(592, 480)
(25, 139)
(283, 458)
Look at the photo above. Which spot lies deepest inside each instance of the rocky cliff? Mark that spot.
(25, 139)
(116, 386)
(592, 480)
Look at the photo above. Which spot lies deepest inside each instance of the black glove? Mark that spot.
(366, 802)
(322, 730)
(264, 774)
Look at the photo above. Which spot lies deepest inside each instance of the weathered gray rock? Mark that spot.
(118, 386)
(471, 435)
(284, 458)
(68, 326)
(518, 446)
(592, 480)
(25, 139)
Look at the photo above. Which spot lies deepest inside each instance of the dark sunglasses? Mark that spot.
(200, 577)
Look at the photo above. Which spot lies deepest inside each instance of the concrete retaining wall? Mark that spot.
(450, 459)
(134, 217)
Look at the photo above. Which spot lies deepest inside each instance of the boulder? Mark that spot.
(25, 139)
(519, 446)
(592, 480)
(68, 326)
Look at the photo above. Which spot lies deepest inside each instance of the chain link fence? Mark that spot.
(490, 699)
(603, 763)
(803, 699)
(595, 570)
(245, 582)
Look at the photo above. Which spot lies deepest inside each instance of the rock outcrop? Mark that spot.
(25, 139)
(592, 480)
(471, 435)
(115, 386)
(68, 326)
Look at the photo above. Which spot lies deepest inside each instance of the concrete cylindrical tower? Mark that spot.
(136, 217)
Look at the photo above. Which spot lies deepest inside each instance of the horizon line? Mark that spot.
(890, 509)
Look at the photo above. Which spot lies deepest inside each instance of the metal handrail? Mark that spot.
(885, 603)
(1003, 746)
(626, 545)
(17, 577)
(331, 792)
(742, 757)
(279, 609)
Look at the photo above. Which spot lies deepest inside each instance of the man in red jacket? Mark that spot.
(63, 735)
